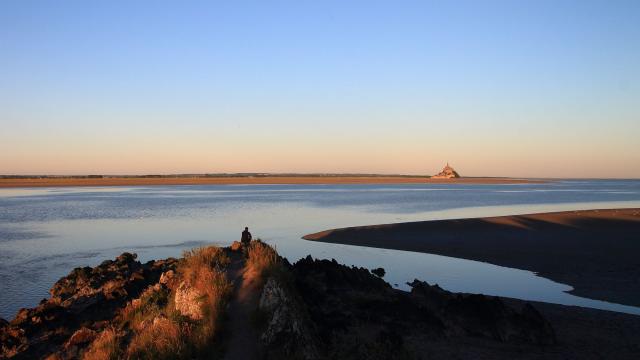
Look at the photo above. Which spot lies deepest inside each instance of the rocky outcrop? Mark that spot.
(313, 309)
(358, 315)
(80, 304)
(167, 278)
(188, 301)
(482, 316)
(79, 339)
(288, 333)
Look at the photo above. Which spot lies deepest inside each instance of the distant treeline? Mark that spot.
(221, 175)
(54, 176)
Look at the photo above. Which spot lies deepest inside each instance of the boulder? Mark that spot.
(82, 336)
(166, 277)
(188, 301)
(379, 272)
(288, 330)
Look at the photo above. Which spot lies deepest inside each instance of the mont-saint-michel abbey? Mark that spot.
(447, 173)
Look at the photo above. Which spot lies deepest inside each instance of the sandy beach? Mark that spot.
(594, 251)
(248, 180)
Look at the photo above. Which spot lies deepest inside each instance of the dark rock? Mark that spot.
(288, 332)
(82, 336)
(85, 297)
(483, 316)
(358, 315)
(379, 272)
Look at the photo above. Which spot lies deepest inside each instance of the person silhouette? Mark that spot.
(246, 236)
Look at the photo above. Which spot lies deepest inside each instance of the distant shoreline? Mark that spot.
(55, 181)
(594, 251)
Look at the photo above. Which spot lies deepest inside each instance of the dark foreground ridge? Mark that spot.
(236, 303)
(81, 303)
(594, 251)
(358, 315)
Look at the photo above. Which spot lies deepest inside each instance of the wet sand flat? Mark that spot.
(248, 180)
(595, 251)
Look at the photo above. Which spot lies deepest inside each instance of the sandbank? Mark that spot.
(594, 251)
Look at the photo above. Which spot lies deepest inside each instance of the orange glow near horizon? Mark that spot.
(136, 154)
(321, 87)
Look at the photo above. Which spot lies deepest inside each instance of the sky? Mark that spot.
(497, 88)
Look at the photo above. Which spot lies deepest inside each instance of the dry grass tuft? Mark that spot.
(195, 260)
(211, 256)
(149, 305)
(216, 290)
(161, 339)
(152, 327)
(262, 258)
(203, 269)
(105, 347)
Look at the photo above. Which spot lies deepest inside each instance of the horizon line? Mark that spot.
(286, 174)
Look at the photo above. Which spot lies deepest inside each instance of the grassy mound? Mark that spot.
(165, 324)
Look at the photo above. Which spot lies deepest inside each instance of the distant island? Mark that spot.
(7, 181)
(447, 173)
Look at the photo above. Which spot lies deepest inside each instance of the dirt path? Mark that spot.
(242, 336)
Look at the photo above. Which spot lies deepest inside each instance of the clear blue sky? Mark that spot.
(513, 88)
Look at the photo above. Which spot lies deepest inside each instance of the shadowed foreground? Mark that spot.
(248, 303)
(595, 251)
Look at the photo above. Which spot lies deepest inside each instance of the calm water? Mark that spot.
(44, 233)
